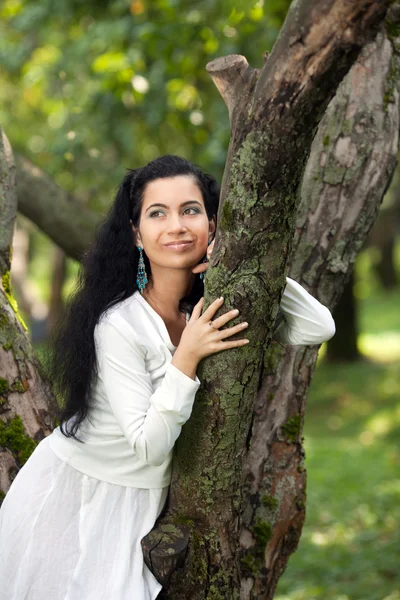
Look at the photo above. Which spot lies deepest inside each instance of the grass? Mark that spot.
(350, 545)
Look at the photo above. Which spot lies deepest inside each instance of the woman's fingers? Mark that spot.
(210, 249)
(212, 309)
(200, 268)
(196, 312)
(224, 333)
(225, 318)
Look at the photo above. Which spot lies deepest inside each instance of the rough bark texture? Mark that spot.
(352, 160)
(63, 218)
(239, 480)
(26, 402)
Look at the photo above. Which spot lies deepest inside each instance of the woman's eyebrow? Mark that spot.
(165, 206)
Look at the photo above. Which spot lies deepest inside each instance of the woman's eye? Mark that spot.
(155, 212)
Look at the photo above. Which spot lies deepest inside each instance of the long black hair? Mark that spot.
(107, 275)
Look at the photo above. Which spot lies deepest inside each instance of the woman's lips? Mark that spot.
(179, 246)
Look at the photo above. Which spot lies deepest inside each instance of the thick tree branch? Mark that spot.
(63, 218)
(230, 75)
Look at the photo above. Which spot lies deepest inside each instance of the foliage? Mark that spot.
(91, 88)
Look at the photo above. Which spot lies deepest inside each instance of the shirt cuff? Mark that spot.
(184, 379)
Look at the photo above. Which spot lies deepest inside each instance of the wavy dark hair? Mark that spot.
(107, 275)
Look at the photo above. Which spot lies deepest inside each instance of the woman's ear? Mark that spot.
(213, 224)
(136, 235)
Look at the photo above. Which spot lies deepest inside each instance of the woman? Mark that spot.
(124, 365)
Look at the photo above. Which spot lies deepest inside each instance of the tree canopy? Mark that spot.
(90, 89)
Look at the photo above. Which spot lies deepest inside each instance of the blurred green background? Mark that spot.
(91, 88)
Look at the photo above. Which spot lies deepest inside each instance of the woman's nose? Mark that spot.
(176, 222)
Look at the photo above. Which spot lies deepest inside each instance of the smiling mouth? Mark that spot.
(179, 246)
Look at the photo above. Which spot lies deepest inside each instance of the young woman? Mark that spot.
(124, 365)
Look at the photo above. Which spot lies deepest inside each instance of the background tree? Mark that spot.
(26, 401)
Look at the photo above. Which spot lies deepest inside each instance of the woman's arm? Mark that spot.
(150, 420)
(301, 319)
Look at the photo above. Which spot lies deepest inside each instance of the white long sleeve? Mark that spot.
(140, 400)
(150, 420)
(302, 319)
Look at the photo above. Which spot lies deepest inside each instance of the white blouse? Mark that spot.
(140, 400)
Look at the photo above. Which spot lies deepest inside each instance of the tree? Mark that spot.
(27, 405)
(239, 479)
(238, 489)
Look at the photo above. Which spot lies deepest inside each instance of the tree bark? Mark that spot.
(238, 483)
(26, 402)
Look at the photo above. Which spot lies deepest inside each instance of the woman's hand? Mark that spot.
(202, 267)
(199, 339)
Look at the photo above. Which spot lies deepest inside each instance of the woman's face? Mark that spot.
(173, 211)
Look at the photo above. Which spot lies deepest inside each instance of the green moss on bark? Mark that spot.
(6, 280)
(4, 386)
(254, 559)
(269, 501)
(291, 429)
(262, 531)
(13, 437)
(392, 24)
(227, 216)
(18, 386)
(391, 82)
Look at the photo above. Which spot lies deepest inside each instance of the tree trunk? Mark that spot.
(26, 402)
(386, 267)
(343, 346)
(383, 236)
(238, 486)
(56, 305)
(19, 269)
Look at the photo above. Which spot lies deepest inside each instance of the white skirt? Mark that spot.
(67, 536)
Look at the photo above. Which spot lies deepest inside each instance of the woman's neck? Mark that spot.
(164, 299)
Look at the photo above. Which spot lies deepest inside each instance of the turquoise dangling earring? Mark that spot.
(205, 260)
(141, 279)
